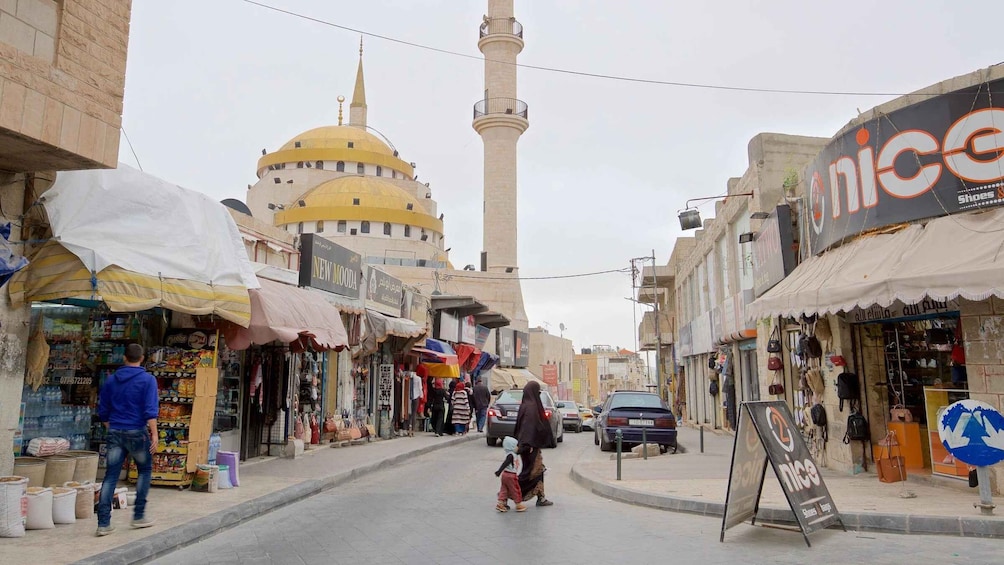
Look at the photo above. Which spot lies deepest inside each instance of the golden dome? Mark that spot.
(338, 137)
(372, 192)
(378, 200)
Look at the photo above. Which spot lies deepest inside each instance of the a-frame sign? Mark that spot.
(767, 433)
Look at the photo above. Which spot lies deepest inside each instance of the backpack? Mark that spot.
(847, 388)
(713, 388)
(818, 415)
(857, 428)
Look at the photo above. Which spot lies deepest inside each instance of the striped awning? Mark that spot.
(54, 273)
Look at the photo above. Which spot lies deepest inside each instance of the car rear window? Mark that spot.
(640, 400)
(565, 405)
(516, 396)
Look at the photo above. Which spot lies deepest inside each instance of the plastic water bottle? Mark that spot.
(214, 446)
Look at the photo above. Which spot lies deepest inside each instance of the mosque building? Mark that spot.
(350, 184)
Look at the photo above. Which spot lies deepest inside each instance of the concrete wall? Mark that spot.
(983, 333)
(549, 349)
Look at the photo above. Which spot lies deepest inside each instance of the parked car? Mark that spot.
(502, 416)
(570, 418)
(587, 417)
(630, 412)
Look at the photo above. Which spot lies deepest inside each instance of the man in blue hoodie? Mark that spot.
(128, 407)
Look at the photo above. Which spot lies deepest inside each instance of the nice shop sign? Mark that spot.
(940, 156)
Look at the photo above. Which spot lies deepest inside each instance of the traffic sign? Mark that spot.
(973, 432)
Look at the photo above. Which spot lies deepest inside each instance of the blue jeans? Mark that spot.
(120, 443)
(482, 414)
(461, 428)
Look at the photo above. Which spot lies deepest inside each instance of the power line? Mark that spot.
(552, 277)
(573, 72)
(134, 155)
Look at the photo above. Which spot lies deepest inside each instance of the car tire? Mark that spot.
(605, 445)
(663, 448)
(596, 437)
(561, 438)
(578, 429)
(491, 441)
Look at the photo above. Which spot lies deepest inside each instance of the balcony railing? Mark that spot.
(508, 106)
(506, 26)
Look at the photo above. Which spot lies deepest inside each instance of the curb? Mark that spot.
(960, 526)
(175, 538)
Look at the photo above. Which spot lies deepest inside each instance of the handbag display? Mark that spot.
(891, 468)
(774, 343)
(774, 363)
(900, 413)
(776, 389)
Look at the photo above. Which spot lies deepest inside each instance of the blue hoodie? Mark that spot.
(128, 399)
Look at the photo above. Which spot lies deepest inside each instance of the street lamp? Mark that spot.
(690, 218)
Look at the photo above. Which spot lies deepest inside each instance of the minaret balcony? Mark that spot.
(501, 31)
(508, 111)
(501, 26)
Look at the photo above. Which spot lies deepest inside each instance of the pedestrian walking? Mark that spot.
(509, 473)
(128, 406)
(533, 432)
(461, 409)
(481, 398)
(437, 406)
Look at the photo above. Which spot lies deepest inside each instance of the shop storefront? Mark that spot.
(285, 348)
(901, 237)
(91, 299)
(387, 339)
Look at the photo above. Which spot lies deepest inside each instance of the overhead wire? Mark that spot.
(621, 78)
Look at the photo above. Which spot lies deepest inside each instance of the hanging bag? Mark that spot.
(776, 388)
(900, 413)
(774, 363)
(847, 388)
(774, 343)
(891, 468)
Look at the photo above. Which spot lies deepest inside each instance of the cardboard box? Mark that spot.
(206, 381)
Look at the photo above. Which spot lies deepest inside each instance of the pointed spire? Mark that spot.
(357, 108)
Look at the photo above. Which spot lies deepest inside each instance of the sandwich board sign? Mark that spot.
(767, 434)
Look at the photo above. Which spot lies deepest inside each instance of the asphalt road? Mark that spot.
(439, 509)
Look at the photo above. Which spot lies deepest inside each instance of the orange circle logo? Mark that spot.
(778, 425)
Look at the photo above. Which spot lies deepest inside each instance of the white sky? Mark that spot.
(605, 165)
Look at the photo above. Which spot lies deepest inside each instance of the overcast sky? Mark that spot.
(605, 165)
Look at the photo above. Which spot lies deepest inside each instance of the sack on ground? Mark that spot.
(13, 506)
(64, 503)
(39, 509)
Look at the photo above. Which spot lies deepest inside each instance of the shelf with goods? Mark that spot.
(187, 384)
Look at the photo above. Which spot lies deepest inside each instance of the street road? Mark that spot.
(439, 509)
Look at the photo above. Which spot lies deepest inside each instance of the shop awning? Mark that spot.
(499, 380)
(518, 377)
(379, 328)
(439, 358)
(136, 242)
(55, 274)
(288, 314)
(961, 255)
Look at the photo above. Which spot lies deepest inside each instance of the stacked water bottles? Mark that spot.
(45, 415)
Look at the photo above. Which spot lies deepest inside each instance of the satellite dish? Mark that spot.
(561, 327)
(235, 204)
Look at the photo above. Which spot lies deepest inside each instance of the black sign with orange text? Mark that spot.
(773, 250)
(766, 428)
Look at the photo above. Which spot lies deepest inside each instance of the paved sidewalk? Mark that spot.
(696, 483)
(184, 517)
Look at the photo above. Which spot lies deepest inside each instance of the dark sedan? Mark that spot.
(502, 416)
(631, 412)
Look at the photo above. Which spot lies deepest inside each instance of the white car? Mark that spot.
(570, 418)
(587, 417)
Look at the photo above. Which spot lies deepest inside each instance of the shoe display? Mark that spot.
(104, 530)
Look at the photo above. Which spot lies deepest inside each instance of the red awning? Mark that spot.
(288, 314)
(440, 357)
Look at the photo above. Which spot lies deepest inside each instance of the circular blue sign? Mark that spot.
(973, 432)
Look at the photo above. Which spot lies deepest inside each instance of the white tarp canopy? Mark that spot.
(146, 225)
(961, 255)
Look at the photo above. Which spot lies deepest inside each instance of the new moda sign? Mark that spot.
(939, 156)
(767, 433)
(328, 266)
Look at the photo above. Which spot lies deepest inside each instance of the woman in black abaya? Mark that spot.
(533, 432)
